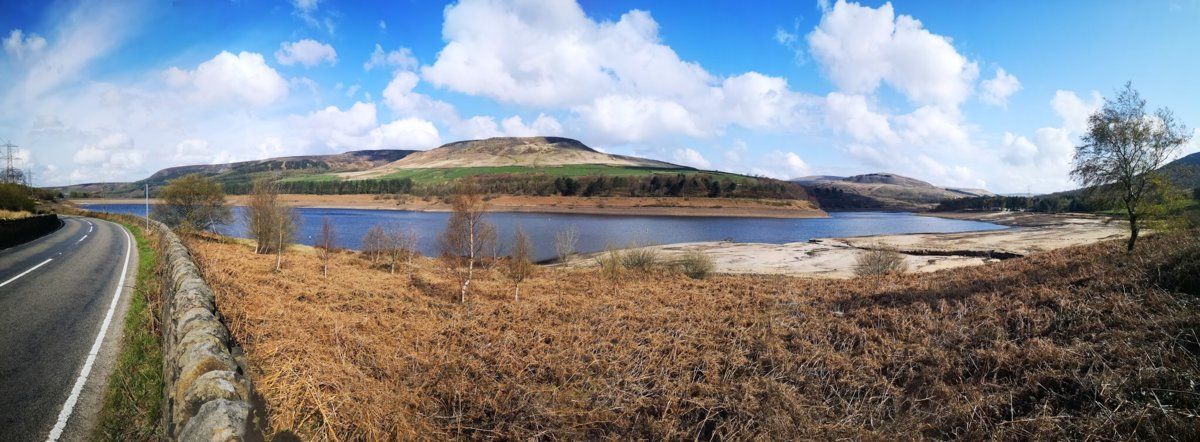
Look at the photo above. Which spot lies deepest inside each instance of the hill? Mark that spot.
(533, 166)
(510, 152)
(1184, 172)
(236, 177)
(886, 191)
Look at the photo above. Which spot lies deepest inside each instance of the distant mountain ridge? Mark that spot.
(244, 172)
(511, 151)
(533, 166)
(882, 191)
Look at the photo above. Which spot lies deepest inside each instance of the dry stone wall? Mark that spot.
(207, 395)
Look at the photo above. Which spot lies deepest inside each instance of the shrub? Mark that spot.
(879, 262)
(15, 197)
(192, 202)
(375, 243)
(565, 242)
(610, 264)
(640, 258)
(270, 222)
(696, 264)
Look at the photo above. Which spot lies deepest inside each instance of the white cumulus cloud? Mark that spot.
(860, 47)
(552, 55)
(306, 52)
(401, 58)
(357, 127)
(1074, 111)
(19, 46)
(690, 157)
(997, 90)
(226, 77)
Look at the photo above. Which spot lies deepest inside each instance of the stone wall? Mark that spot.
(20, 231)
(207, 395)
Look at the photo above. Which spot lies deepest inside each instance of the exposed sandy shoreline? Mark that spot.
(835, 257)
(706, 207)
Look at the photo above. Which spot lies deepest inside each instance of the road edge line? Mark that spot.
(69, 406)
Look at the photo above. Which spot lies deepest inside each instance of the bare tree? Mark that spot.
(376, 243)
(326, 244)
(401, 245)
(1123, 150)
(466, 236)
(565, 242)
(520, 264)
(270, 222)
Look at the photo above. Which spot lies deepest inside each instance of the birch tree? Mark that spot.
(1123, 150)
(520, 264)
(326, 244)
(467, 235)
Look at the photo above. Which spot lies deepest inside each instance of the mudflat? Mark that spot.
(923, 252)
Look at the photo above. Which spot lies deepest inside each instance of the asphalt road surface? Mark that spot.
(63, 299)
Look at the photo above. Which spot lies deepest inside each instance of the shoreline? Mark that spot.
(627, 206)
(1027, 234)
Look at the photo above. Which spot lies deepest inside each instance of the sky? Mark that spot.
(985, 94)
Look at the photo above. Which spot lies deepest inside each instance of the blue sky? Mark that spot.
(978, 94)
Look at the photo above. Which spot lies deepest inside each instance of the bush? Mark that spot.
(610, 263)
(696, 265)
(192, 202)
(269, 221)
(641, 258)
(879, 262)
(14, 197)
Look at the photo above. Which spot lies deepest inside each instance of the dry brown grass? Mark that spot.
(14, 214)
(1077, 343)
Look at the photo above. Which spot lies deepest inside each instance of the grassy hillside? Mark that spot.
(1081, 343)
(238, 177)
(1184, 172)
(443, 175)
(511, 151)
(536, 166)
(880, 191)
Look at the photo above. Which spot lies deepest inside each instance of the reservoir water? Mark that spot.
(598, 231)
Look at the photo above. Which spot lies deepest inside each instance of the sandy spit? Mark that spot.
(924, 252)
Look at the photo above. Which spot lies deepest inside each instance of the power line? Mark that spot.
(11, 174)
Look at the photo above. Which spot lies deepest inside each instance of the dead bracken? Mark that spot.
(1076, 343)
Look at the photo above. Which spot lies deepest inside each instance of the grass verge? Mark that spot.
(132, 403)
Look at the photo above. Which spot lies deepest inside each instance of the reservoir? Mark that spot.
(596, 232)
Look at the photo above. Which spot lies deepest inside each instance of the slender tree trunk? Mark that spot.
(1133, 226)
(517, 292)
(1133, 232)
(279, 248)
(467, 282)
(408, 266)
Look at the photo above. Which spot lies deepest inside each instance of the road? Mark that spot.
(63, 299)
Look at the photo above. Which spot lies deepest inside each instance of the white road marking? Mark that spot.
(90, 226)
(81, 239)
(2, 284)
(69, 406)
